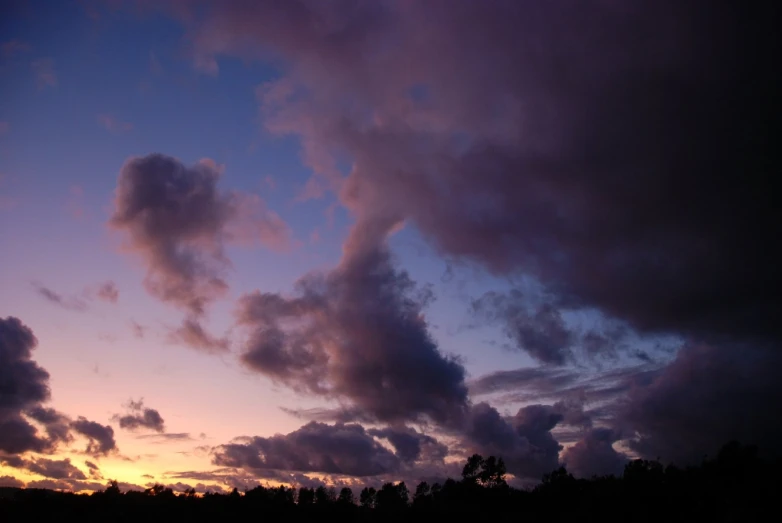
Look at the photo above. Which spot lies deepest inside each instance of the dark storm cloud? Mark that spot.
(140, 417)
(525, 441)
(73, 303)
(708, 395)
(315, 447)
(358, 334)
(618, 153)
(23, 385)
(178, 221)
(100, 437)
(594, 455)
(606, 149)
(411, 445)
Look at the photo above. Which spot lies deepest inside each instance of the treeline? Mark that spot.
(736, 485)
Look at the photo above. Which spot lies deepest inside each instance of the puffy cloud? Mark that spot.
(100, 437)
(23, 384)
(411, 445)
(356, 333)
(524, 168)
(525, 441)
(178, 221)
(140, 417)
(616, 153)
(594, 455)
(345, 449)
(55, 469)
(57, 424)
(10, 481)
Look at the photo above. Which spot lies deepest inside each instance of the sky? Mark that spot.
(288, 242)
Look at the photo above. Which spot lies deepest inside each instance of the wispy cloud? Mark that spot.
(45, 75)
(13, 48)
(166, 438)
(113, 124)
(73, 303)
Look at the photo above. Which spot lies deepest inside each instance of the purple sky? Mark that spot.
(357, 241)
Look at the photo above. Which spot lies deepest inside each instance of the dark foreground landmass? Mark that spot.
(735, 486)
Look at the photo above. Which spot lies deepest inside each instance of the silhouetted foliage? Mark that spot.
(736, 485)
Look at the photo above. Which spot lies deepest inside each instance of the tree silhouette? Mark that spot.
(368, 497)
(736, 485)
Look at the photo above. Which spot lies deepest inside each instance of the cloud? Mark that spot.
(178, 222)
(73, 303)
(114, 125)
(594, 455)
(45, 75)
(100, 437)
(55, 469)
(13, 48)
(4, 128)
(539, 329)
(24, 385)
(140, 417)
(171, 437)
(315, 447)
(192, 334)
(94, 470)
(10, 481)
(535, 378)
(708, 395)
(108, 292)
(525, 441)
(411, 445)
(358, 334)
(578, 145)
(57, 424)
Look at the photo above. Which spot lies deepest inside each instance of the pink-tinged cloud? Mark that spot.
(113, 124)
(177, 221)
(45, 75)
(4, 128)
(357, 334)
(107, 292)
(14, 48)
